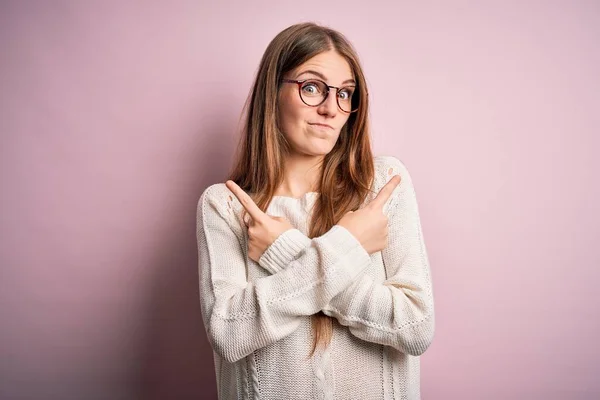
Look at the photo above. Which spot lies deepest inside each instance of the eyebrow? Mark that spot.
(320, 75)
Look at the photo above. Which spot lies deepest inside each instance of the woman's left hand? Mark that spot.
(263, 229)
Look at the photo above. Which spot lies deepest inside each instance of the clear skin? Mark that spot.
(312, 133)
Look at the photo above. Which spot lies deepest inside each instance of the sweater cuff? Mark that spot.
(347, 247)
(283, 250)
(346, 241)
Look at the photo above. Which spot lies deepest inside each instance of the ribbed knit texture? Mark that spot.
(257, 315)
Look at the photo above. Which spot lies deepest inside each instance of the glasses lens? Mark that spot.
(313, 92)
(348, 99)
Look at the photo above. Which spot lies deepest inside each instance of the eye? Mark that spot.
(312, 88)
(346, 93)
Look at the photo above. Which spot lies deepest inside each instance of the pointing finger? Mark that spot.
(385, 192)
(253, 210)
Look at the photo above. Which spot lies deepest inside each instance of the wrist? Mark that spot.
(283, 250)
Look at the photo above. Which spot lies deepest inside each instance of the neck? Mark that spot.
(302, 174)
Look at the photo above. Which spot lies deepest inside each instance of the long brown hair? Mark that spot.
(347, 171)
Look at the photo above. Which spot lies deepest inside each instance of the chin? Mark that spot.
(314, 147)
(318, 150)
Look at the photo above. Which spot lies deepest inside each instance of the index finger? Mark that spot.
(385, 192)
(246, 201)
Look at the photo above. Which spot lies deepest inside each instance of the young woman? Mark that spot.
(314, 277)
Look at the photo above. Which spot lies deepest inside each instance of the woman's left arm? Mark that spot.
(399, 311)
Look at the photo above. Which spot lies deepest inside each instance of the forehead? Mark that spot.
(330, 64)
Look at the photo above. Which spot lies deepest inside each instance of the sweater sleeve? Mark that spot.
(241, 316)
(398, 312)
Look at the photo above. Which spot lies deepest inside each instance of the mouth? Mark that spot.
(321, 125)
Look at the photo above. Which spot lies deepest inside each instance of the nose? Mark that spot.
(329, 106)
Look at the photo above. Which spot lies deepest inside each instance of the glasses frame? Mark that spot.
(329, 87)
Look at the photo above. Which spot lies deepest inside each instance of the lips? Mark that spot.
(321, 125)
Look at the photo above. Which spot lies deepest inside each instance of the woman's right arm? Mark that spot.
(241, 316)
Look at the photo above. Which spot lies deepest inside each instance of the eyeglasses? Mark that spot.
(314, 92)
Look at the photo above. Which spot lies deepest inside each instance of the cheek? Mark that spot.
(291, 113)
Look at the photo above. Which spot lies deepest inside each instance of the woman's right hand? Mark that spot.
(263, 229)
(369, 224)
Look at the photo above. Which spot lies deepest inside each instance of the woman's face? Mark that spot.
(313, 131)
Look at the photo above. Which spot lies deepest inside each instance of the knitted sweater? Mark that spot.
(257, 315)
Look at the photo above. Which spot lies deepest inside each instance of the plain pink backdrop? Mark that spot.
(115, 116)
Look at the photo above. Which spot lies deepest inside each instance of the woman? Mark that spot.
(314, 278)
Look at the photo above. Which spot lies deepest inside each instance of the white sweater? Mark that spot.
(257, 315)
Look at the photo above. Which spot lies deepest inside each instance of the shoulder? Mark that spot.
(216, 207)
(216, 198)
(215, 192)
(383, 164)
(388, 166)
(385, 168)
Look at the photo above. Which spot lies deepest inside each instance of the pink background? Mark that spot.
(115, 117)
